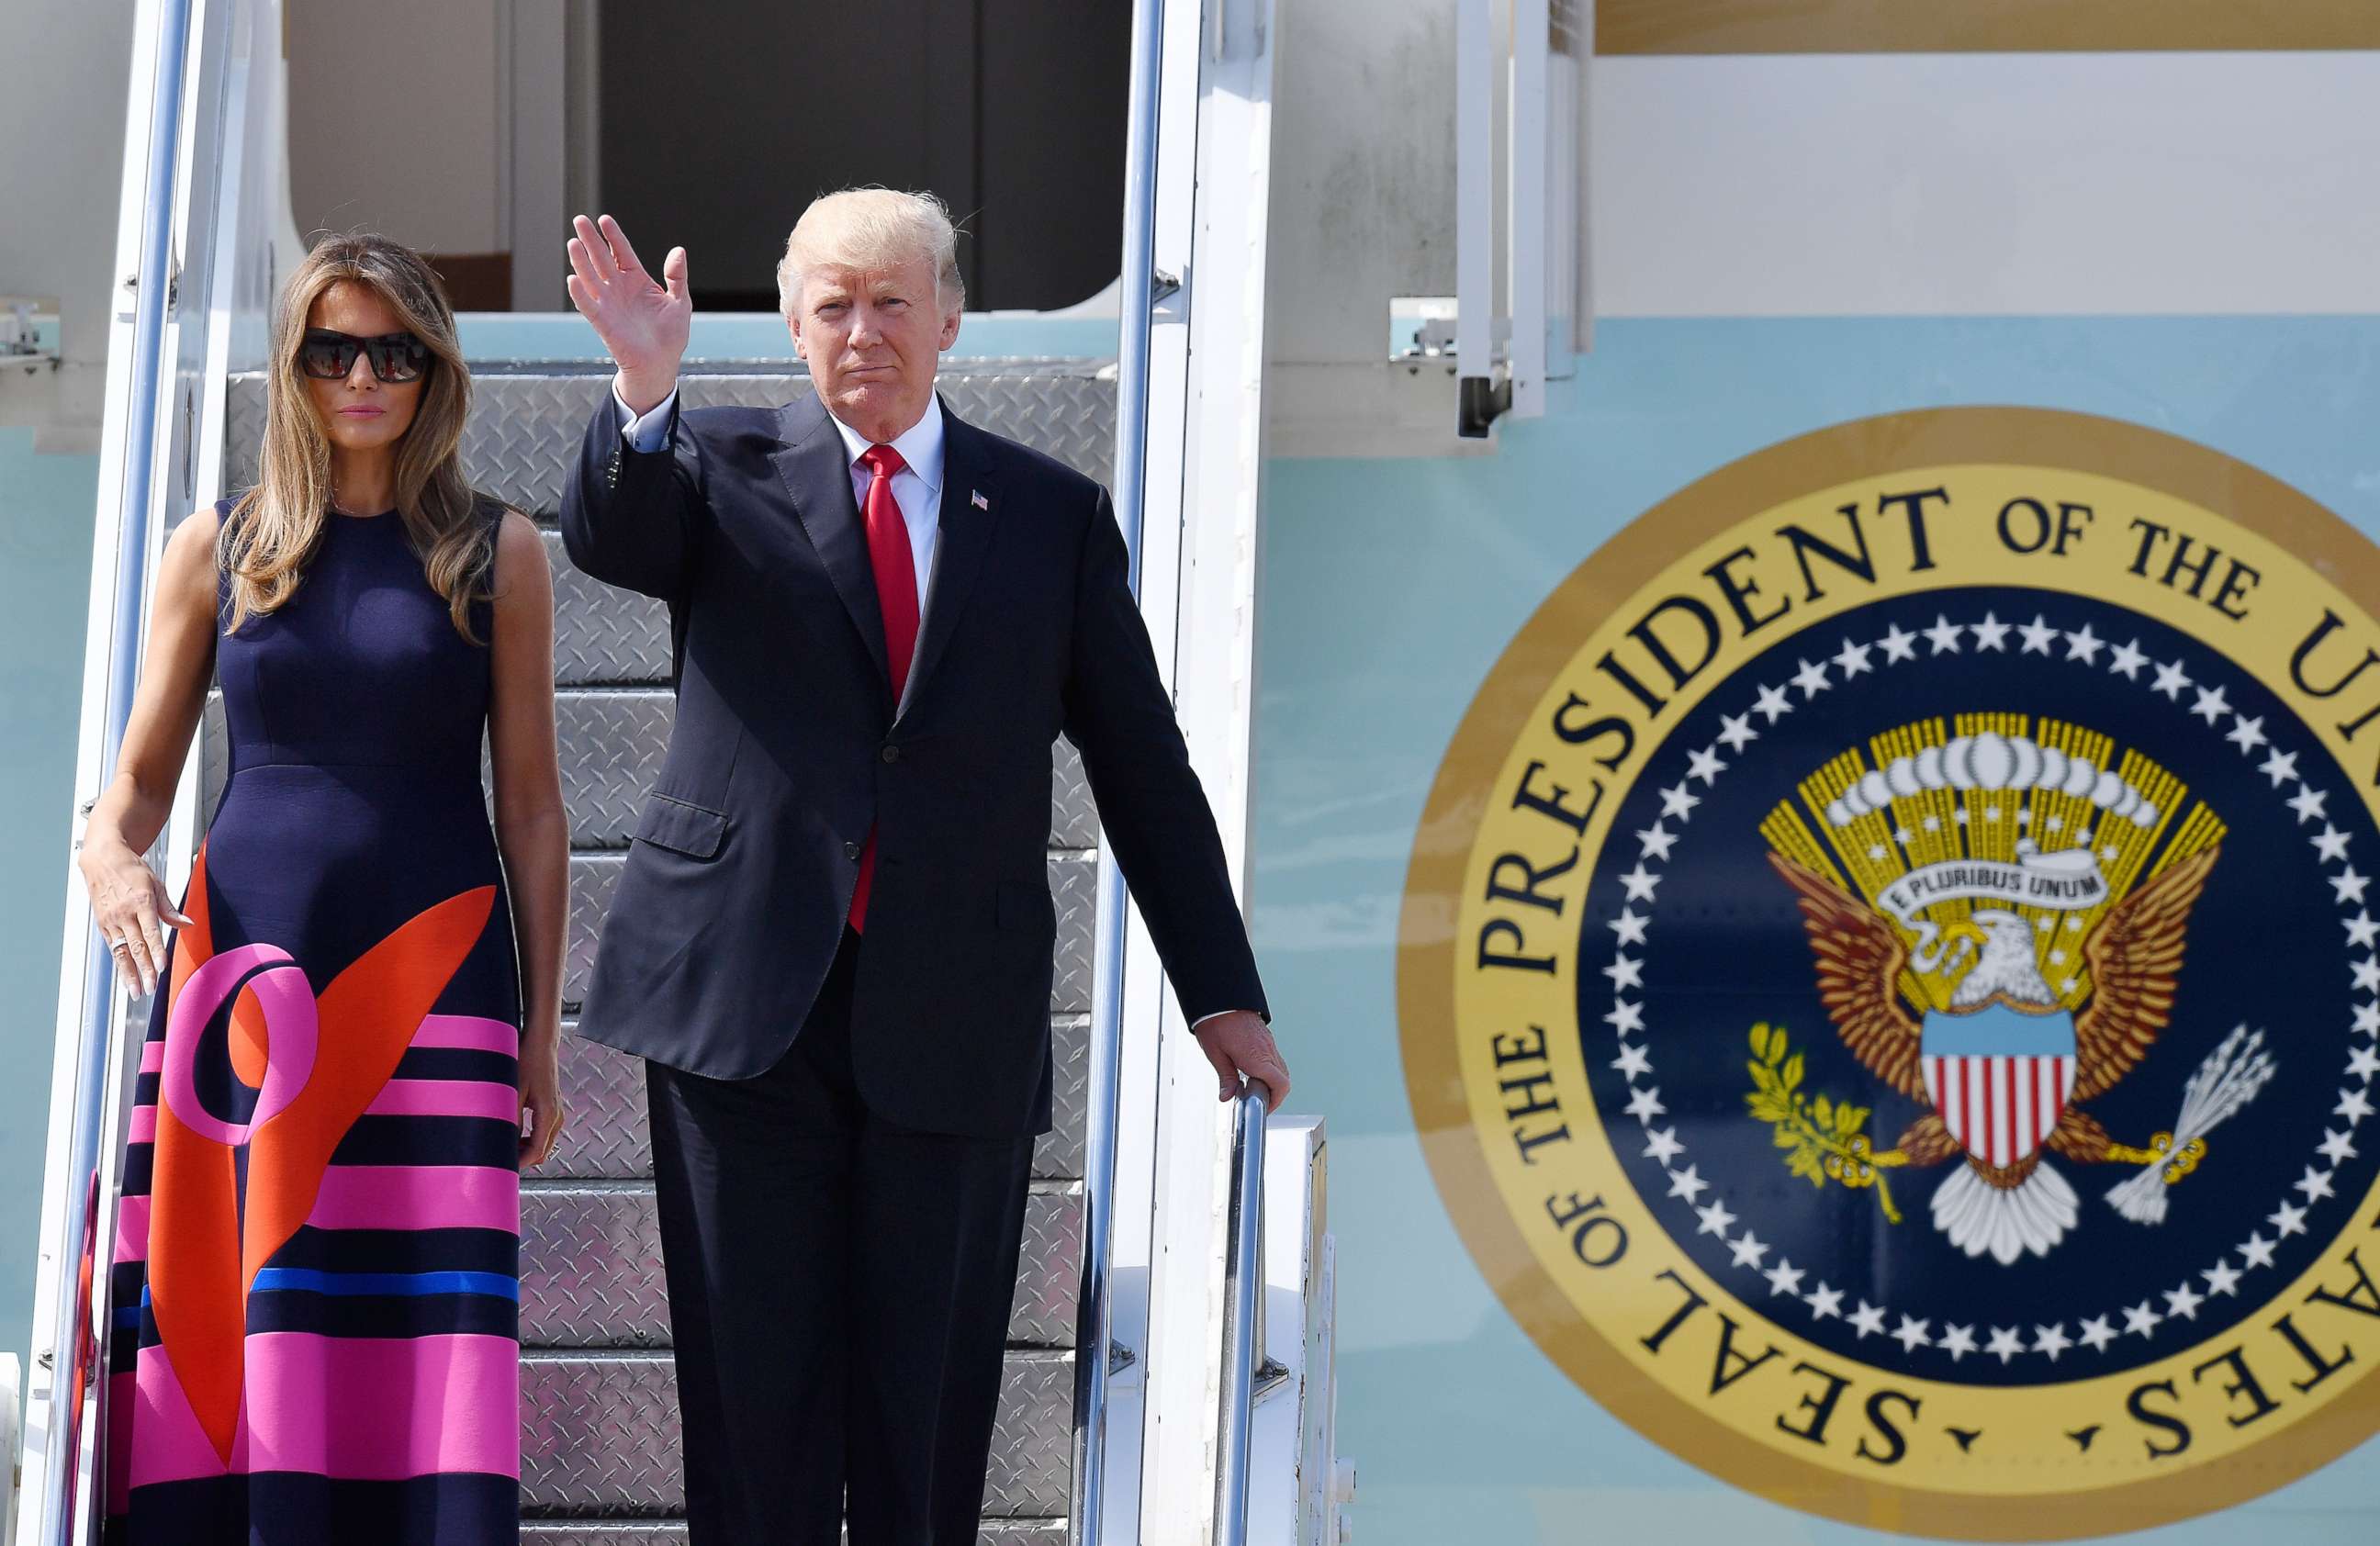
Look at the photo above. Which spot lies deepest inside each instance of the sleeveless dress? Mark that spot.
(316, 1274)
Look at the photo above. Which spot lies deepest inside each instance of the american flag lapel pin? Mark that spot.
(975, 498)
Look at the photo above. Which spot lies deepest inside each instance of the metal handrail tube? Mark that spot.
(150, 300)
(1093, 1311)
(1244, 1272)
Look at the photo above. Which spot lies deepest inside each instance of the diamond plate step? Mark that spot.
(1074, 886)
(603, 635)
(600, 1437)
(603, 1135)
(613, 747)
(995, 1533)
(1074, 819)
(591, 1268)
(525, 425)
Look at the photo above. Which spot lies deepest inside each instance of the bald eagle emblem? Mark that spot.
(1998, 919)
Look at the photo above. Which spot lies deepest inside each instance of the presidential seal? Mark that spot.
(1888, 986)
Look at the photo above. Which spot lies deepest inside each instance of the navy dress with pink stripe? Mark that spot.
(316, 1274)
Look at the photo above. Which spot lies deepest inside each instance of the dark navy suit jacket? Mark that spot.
(787, 751)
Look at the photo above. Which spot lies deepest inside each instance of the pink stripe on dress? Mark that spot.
(153, 1056)
(419, 1405)
(132, 1228)
(445, 1097)
(170, 1445)
(418, 1197)
(143, 1125)
(411, 1406)
(472, 1032)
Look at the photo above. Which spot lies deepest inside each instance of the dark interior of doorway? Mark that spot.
(720, 122)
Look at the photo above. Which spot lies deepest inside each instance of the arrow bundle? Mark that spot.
(2232, 1076)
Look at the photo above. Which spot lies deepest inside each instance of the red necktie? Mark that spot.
(896, 596)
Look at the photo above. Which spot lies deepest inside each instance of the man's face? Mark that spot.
(872, 338)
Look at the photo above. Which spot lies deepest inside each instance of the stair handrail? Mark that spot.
(1244, 1282)
(1094, 1308)
(73, 1331)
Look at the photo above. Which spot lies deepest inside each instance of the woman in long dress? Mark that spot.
(315, 1276)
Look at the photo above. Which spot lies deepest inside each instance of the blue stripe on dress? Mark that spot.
(308, 1280)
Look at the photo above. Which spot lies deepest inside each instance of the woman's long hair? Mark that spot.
(276, 527)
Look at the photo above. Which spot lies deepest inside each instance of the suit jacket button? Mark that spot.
(890, 753)
(851, 851)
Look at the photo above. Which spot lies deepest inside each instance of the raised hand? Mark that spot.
(642, 322)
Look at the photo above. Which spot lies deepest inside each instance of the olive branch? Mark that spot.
(1821, 1137)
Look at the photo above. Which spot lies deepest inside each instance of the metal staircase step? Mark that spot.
(603, 1136)
(591, 1267)
(527, 419)
(995, 1533)
(603, 1094)
(600, 1437)
(601, 1441)
(603, 635)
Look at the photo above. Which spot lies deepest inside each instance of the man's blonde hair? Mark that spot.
(871, 229)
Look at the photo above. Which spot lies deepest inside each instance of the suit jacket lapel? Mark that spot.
(965, 535)
(813, 467)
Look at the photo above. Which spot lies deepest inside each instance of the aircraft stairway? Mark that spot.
(600, 1452)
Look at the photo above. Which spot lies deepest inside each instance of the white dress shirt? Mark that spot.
(918, 489)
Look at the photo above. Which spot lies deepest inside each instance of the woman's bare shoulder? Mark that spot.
(191, 549)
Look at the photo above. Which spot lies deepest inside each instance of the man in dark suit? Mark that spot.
(832, 941)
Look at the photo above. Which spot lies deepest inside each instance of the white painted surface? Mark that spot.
(1527, 164)
(1218, 110)
(1161, 1223)
(1363, 203)
(1986, 185)
(1872, 185)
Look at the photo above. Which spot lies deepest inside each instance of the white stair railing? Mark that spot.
(69, 1380)
(193, 257)
(1244, 1304)
(1094, 1307)
(11, 1388)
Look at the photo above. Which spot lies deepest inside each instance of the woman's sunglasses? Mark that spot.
(328, 356)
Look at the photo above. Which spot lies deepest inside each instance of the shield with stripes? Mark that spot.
(2000, 1075)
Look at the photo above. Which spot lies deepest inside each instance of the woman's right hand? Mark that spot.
(129, 904)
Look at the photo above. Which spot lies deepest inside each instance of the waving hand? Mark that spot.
(643, 321)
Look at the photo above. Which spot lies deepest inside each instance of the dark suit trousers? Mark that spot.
(839, 1293)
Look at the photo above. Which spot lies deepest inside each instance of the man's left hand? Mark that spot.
(1240, 1044)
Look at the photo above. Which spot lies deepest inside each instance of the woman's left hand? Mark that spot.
(541, 1094)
